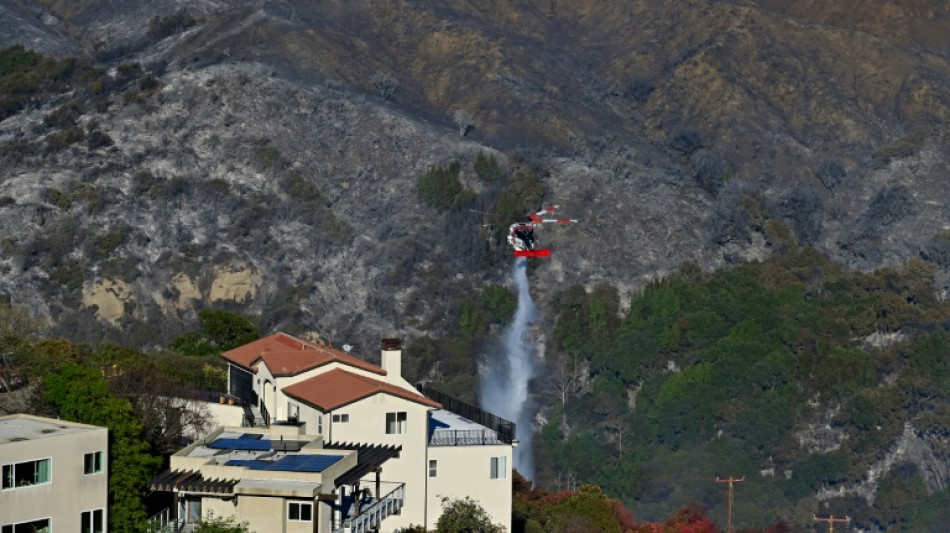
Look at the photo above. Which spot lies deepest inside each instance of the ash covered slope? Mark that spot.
(268, 170)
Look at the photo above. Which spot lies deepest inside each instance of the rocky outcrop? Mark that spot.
(238, 283)
(109, 298)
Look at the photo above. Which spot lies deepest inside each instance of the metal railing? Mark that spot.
(372, 515)
(504, 429)
(165, 522)
(463, 437)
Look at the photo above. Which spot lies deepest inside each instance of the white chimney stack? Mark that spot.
(392, 359)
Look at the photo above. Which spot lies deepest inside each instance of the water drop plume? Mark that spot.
(505, 386)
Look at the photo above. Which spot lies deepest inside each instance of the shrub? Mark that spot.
(802, 208)
(107, 243)
(60, 140)
(522, 195)
(65, 115)
(708, 172)
(16, 59)
(16, 151)
(69, 276)
(486, 167)
(686, 140)
(9, 107)
(465, 514)
(937, 250)
(831, 172)
(98, 139)
(906, 146)
(779, 236)
(441, 188)
(127, 72)
(57, 198)
(734, 216)
(267, 156)
(639, 88)
(162, 27)
(500, 302)
(149, 84)
(133, 96)
(890, 204)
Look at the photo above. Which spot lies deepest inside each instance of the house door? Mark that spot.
(189, 509)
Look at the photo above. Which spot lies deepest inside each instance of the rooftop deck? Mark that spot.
(450, 429)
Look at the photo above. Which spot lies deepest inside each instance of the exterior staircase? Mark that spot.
(253, 417)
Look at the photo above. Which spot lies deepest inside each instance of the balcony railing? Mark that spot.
(504, 429)
(372, 515)
(165, 522)
(463, 437)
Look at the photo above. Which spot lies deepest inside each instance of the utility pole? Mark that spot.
(730, 481)
(831, 521)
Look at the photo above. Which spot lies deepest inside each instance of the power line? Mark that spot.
(730, 481)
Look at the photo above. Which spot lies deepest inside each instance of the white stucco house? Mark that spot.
(391, 452)
(54, 475)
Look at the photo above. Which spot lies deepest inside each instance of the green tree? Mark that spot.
(441, 188)
(588, 509)
(227, 330)
(486, 167)
(220, 331)
(465, 515)
(81, 394)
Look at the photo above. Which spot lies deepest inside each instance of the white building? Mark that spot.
(446, 448)
(53, 476)
(276, 479)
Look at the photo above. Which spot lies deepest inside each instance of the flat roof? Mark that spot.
(22, 427)
(232, 447)
(259, 451)
(450, 429)
(278, 487)
(447, 420)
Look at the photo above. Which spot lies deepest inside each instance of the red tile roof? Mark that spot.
(285, 355)
(338, 387)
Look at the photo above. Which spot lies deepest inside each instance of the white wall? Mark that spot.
(70, 491)
(223, 415)
(368, 425)
(465, 471)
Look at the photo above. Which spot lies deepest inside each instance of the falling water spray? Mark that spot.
(505, 387)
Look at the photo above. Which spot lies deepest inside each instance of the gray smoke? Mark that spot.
(505, 388)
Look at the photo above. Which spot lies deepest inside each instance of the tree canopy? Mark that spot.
(81, 394)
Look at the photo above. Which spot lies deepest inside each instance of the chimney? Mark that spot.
(392, 358)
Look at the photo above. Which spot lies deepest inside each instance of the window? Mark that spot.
(293, 412)
(93, 463)
(34, 526)
(433, 467)
(396, 423)
(319, 424)
(300, 511)
(26, 474)
(499, 467)
(92, 521)
(189, 509)
(341, 418)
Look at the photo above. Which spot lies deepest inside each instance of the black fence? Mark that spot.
(503, 428)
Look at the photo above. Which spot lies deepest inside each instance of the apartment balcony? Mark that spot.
(370, 513)
(502, 430)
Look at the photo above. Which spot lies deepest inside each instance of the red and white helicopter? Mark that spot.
(521, 234)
